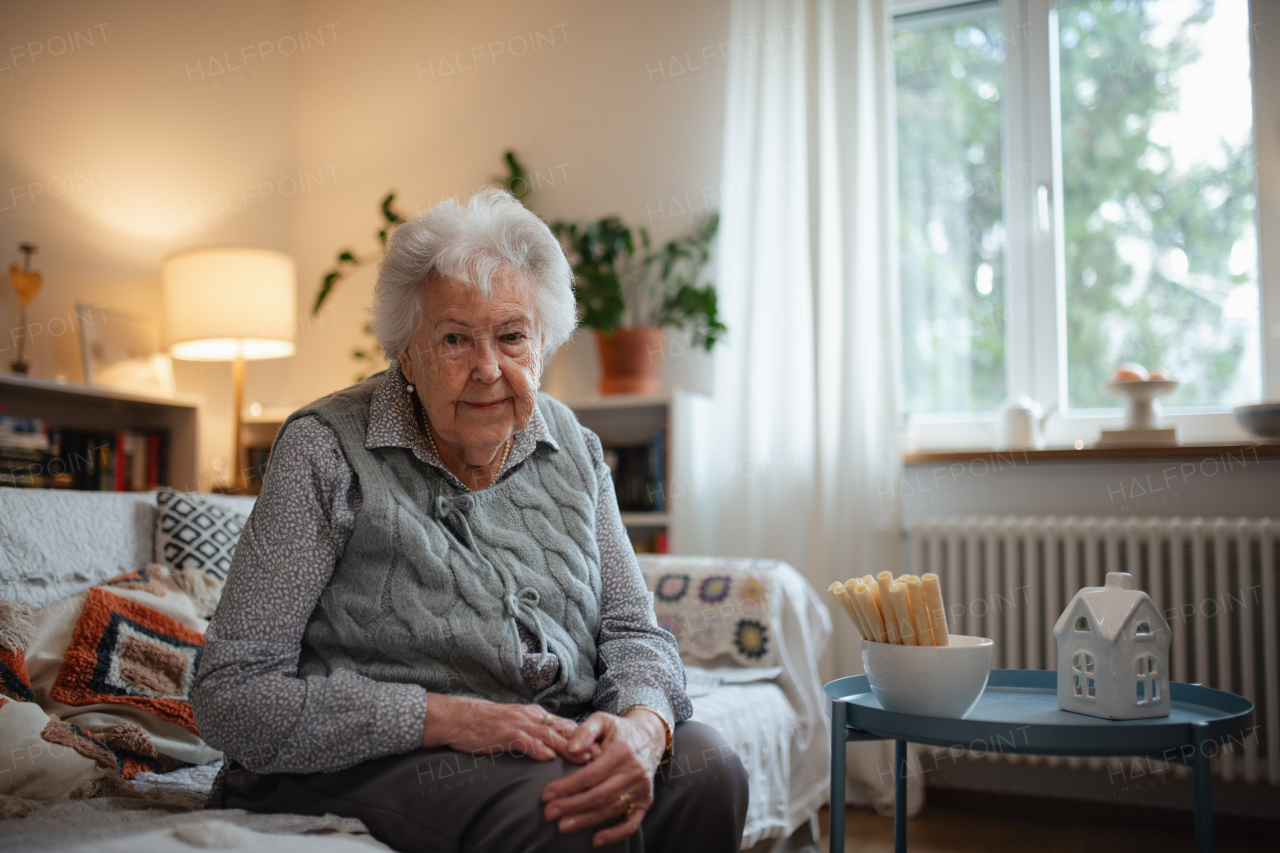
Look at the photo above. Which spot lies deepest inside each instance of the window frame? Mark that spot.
(1035, 291)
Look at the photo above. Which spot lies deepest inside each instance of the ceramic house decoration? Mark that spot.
(1113, 653)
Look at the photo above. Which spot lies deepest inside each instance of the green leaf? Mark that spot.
(347, 255)
(392, 217)
(326, 285)
(517, 178)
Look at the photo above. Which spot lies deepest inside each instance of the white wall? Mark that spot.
(367, 106)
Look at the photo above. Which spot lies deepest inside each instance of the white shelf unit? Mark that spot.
(75, 406)
(629, 419)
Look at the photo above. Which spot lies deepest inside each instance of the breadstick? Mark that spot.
(919, 613)
(885, 581)
(867, 633)
(902, 609)
(866, 602)
(874, 589)
(838, 593)
(937, 610)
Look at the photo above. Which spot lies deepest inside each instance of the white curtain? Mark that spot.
(804, 440)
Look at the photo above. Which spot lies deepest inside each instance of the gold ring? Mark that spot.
(548, 720)
(627, 806)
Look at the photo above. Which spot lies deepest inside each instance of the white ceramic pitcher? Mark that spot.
(1022, 424)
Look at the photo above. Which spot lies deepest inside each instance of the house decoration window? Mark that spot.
(1066, 209)
(1148, 672)
(1142, 629)
(1082, 624)
(1082, 675)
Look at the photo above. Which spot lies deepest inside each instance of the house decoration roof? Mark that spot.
(1111, 607)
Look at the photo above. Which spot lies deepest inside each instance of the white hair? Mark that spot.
(491, 235)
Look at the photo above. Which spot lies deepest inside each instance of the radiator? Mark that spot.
(1214, 578)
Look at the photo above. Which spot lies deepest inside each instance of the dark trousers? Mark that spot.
(438, 800)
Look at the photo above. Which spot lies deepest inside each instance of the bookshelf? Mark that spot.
(634, 419)
(74, 406)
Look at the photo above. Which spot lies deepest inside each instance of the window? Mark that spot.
(950, 81)
(1082, 625)
(1082, 675)
(1076, 189)
(1143, 629)
(1158, 197)
(1147, 670)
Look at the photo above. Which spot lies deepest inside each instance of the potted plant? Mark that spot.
(630, 292)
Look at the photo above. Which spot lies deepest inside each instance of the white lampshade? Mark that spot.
(220, 303)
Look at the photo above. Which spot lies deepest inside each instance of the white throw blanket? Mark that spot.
(171, 816)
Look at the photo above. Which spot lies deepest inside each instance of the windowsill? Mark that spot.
(1252, 449)
(964, 434)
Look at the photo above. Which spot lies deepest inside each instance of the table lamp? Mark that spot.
(230, 304)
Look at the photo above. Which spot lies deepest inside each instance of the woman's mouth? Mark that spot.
(485, 406)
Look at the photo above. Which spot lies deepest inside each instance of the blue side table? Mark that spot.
(1019, 714)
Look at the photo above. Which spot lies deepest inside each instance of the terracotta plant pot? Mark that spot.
(632, 361)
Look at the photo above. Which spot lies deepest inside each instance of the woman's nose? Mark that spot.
(486, 368)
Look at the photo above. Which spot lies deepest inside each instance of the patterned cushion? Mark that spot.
(15, 683)
(149, 578)
(123, 652)
(69, 634)
(719, 610)
(193, 533)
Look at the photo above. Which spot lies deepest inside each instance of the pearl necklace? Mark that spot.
(427, 428)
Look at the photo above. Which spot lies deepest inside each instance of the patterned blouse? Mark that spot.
(247, 698)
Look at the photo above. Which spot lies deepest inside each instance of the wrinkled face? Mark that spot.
(475, 363)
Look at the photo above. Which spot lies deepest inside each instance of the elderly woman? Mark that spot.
(434, 621)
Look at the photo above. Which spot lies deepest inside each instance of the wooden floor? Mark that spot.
(941, 830)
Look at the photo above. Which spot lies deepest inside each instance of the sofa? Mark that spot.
(751, 633)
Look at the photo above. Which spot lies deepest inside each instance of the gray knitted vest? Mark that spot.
(433, 581)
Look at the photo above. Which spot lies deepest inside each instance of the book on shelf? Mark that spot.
(639, 474)
(652, 543)
(23, 434)
(89, 460)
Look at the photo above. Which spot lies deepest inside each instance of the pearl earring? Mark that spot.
(408, 389)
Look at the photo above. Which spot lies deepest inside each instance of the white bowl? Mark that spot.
(932, 681)
(1261, 419)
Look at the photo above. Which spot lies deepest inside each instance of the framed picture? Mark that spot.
(122, 351)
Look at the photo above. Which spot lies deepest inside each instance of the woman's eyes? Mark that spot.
(455, 338)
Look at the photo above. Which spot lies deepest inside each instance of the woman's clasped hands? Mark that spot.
(620, 756)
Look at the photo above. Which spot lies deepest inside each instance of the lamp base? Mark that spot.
(237, 405)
